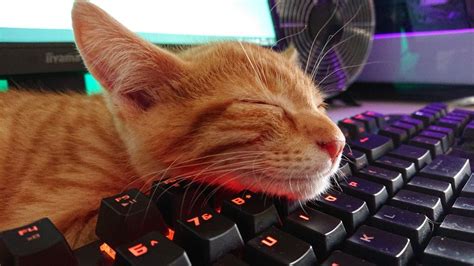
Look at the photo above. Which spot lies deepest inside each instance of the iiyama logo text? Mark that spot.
(52, 58)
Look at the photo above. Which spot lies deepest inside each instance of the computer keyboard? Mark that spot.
(404, 196)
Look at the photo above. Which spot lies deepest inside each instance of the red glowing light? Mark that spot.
(330, 198)
(170, 234)
(31, 229)
(348, 120)
(206, 216)
(364, 139)
(138, 250)
(269, 241)
(194, 220)
(153, 243)
(304, 217)
(359, 116)
(353, 184)
(238, 201)
(107, 251)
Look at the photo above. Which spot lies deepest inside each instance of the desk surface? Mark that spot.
(337, 113)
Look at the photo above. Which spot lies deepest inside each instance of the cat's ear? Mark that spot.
(128, 67)
(291, 54)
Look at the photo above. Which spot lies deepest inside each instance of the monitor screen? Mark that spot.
(183, 22)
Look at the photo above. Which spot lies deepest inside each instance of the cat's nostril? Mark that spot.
(333, 148)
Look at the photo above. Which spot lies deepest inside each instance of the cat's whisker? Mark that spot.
(319, 59)
(348, 67)
(317, 35)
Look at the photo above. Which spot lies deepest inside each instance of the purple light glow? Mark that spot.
(422, 33)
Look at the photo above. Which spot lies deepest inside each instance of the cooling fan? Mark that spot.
(333, 38)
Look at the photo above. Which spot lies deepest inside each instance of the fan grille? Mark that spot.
(333, 38)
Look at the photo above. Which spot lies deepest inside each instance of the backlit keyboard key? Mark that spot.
(207, 236)
(437, 135)
(398, 135)
(275, 247)
(468, 132)
(320, 230)
(429, 205)
(151, 249)
(379, 246)
(417, 155)
(426, 117)
(409, 128)
(468, 189)
(344, 170)
(441, 189)
(339, 258)
(392, 180)
(356, 159)
(38, 243)
(448, 168)
(406, 168)
(463, 206)
(374, 146)
(413, 225)
(453, 124)
(354, 128)
(416, 122)
(369, 122)
(350, 210)
(458, 227)
(434, 145)
(378, 116)
(251, 212)
(445, 130)
(373, 194)
(127, 216)
(447, 251)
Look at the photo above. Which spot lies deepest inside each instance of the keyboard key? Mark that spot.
(207, 236)
(459, 118)
(409, 128)
(418, 202)
(468, 189)
(445, 130)
(467, 112)
(416, 122)
(447, 251)
(286, 206)
(339, 258)
(434, 145)
(427, 117)
(369, 122)
(275, 247)
(434, 112)
(373, 145)
(322, 231)
(229, 260)
(151, 249)
(350, 210)
(463, 206)
(251, 212)
(126, 217)
(378, 116)
(406, 223)
(398, 135)
(344, 170)
(406, 168)
(38, 243)
(91, 254)
(443, 108)
(458, 227)
(453, 124)
(441, 189)
(177, 199)
(448, 168)
(468, 133)
(357, 159)
(417, 155)
(354, 128)
(379, 246)
(392, 180)
(437, 135)
(373, 194)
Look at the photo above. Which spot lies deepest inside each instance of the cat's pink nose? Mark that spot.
(333, 148)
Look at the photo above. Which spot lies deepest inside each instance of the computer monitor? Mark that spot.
(37, 43)
(422, 50)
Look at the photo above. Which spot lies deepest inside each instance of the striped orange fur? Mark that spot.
(229, 114)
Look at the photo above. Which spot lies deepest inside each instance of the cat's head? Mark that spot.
(232, 114)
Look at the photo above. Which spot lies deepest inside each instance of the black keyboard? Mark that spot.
(405, 196)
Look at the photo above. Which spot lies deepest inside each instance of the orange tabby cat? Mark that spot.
(230, 114)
